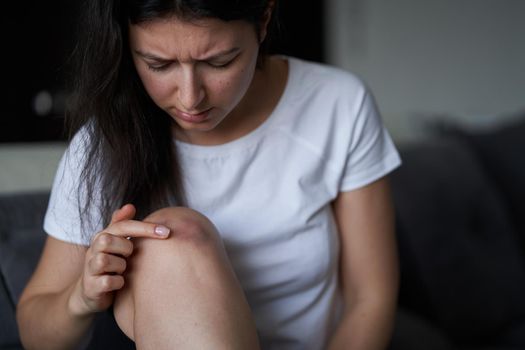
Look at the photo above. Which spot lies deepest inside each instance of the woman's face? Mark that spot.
(198, 72)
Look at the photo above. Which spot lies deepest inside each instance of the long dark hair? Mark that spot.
(130, 156)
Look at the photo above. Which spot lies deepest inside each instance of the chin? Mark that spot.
(195, 127)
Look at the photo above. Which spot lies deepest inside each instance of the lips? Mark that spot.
(193, 117)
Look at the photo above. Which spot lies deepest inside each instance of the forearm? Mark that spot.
(48, 321)
(365, 326)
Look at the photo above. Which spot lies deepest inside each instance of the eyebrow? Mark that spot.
(153, 57)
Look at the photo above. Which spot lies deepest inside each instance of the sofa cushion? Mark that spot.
(8, 328)
(21, 238)
(460, 264)
(19, 255)
(413, 332)
(20, 243)
(502, 154)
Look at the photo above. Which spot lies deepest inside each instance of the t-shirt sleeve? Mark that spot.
(371, 152)
(62, 220)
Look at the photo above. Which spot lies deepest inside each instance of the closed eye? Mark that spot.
(158, 68)
(219, 65)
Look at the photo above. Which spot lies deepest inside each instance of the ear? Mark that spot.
(265, 20)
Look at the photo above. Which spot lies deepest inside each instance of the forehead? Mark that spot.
(189, 39)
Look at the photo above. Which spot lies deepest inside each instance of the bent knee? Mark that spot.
(193, 248)
(185, 225)
(192, 236)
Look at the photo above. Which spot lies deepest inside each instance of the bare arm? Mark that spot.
(368, 267)
(44, 314)
(71, 283)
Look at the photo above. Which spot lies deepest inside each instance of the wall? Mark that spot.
(26, 167)
(459, 59)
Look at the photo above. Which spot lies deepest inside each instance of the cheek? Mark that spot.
(235, 86)
(245, 77)
(158, 89)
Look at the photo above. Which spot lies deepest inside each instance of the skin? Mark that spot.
(151, 301)
(214, 72)
(369, 270)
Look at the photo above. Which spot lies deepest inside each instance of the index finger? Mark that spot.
(134, 228)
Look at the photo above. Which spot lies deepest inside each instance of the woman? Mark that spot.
(289, 241)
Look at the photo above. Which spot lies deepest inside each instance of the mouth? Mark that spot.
(197, 117)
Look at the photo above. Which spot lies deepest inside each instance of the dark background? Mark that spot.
(38, 36)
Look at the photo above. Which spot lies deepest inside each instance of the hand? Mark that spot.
(105, 260)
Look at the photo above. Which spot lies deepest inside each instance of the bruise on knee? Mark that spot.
(193, 237)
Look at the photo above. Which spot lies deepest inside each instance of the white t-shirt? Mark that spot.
(269, 195)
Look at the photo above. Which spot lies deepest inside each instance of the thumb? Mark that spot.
(126, 212)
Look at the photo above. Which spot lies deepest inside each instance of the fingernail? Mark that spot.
(162, 231)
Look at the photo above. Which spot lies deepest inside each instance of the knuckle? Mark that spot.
(95, 238)
(101, 261)
(110, 283)
(105, 282)
(91, 265)
(121, 266)
(104, 241)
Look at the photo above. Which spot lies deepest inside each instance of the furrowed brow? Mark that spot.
(220, 54)
(151, 56)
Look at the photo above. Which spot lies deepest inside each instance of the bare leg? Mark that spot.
(182, 292)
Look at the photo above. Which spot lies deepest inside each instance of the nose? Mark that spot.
(190, 89)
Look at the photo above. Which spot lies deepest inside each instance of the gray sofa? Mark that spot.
(460, 202)
(21, 240)
(461, 230)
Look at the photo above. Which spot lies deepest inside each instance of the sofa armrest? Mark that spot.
(21, 238)
(21, 241)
